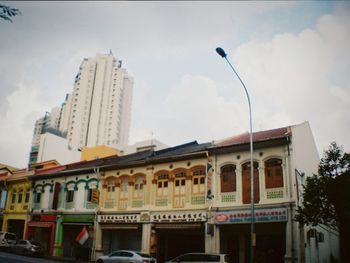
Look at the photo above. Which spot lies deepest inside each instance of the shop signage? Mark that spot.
(79, 218)
(125, 218)
(178, 217)
(95, 196)
(48, 218)
(244, 216)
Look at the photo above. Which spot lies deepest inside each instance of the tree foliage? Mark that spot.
(7, 12)
(326, 197)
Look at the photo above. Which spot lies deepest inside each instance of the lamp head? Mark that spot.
(221, 52)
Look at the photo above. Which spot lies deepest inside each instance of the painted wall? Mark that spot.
(53, 147)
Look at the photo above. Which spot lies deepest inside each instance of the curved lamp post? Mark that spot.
(222, 53)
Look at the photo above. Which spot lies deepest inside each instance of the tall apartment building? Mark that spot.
(98, 111)
(50, 122)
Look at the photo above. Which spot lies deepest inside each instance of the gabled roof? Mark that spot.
(50, 170)
(259, 136)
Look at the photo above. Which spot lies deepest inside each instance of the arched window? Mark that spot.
(179, 188)
(162, 184)
(123, 189)
(228, 178)
(198, 179)
(123, 193)
(246, 170)
(138, 187)
(273, 173)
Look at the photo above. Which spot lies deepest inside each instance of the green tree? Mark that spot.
(7, 12)
(326, 197)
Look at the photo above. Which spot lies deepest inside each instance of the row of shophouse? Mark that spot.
(189, 198)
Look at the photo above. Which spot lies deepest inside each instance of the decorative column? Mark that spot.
(262, 180)
(239, 186)
(212, 238)
(98, 240)
(291, 255)
(58, 246)
(170, 191)
(262, 189)
(188, 192)
(146, 237)
(242, 240)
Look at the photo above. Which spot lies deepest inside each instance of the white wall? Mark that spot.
(306, 157)
(53, 147)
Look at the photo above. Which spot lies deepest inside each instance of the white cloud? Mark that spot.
(17, 125)
(299, 75)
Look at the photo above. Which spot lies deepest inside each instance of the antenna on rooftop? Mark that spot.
(152, 147)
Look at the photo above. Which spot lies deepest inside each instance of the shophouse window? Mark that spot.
(20, 196)
(26, 200)
(123, 193)
(198, 180)
(37, 197)
(273, 173)
(110, 191)
(162, 185)
(89, 195)
(124, 189)
(13, 199)
(138, 187)
(70, 196)
(228, 178)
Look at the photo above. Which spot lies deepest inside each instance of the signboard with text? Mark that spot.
(95, 195)
(244, 216)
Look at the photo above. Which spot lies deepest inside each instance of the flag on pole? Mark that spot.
(83, 236)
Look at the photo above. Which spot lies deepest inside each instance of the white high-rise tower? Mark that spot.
(100, 105)
(98, 111)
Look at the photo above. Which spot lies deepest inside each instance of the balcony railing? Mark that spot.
(228, 197)
(198, 200)
(275, 193)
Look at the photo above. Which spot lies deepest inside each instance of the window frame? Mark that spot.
(228, 187)
(70, 196)
(274, 173)
(198, 178)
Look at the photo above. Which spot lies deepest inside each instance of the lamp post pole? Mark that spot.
(222, 53)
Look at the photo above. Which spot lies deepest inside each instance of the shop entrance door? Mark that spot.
(174, 242)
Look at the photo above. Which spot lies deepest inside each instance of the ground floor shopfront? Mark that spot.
(68, 228)
(41, 228)
(271, 229)
(162, 234)
(15, 223)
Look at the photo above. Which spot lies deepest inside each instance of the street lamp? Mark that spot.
(222, 53)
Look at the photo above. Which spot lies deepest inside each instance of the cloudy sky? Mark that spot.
(293, 57)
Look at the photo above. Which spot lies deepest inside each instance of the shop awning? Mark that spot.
(39, 224)
(178, 226)
(119, 226)
(77, 224)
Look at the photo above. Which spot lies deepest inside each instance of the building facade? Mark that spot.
(100, 105)
(15, 213)
(49, 123)
(98, 111)
(188, 198)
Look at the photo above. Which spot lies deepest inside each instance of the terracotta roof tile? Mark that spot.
(257, 137)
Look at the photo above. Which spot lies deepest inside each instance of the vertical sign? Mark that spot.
(299, 178)
(95, 196)
(209, 173)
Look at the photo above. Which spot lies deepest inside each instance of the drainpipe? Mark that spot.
(291, 189)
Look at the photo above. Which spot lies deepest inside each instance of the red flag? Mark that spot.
(83, 236)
